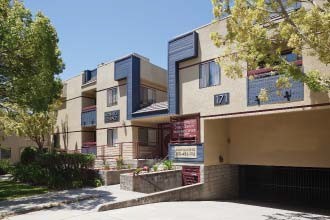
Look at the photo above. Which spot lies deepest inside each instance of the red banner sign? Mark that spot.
(185, 129)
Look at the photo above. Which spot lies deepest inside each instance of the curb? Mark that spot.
(46, 206)
(182, 193)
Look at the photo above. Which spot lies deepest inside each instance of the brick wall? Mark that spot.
(220, 182)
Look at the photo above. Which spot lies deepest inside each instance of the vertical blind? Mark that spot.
(112, 137)
(147, 96)
(209, 74)
(112, 96)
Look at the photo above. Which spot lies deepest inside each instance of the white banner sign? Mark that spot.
(185, 151)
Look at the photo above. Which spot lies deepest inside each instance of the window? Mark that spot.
(227, 5)
(147, 96)
(209, 74)
(112, 137)
(148, 136)
(89, 76)
(5, 153)
(56, 139)
(112, 97)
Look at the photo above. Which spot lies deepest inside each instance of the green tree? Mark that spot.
(259, 30)
(30, 60)
(38, 126)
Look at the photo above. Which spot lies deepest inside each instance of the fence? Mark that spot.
(126, 150)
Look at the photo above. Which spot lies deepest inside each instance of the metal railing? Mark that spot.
(88, 116)
(126, 150)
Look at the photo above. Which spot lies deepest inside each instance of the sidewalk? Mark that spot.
(90, 198)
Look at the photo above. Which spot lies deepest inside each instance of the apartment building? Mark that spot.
(214, 127)
(99, 105)
(224, 135)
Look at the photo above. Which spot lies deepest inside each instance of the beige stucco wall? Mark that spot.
(285, 139)
(16, 144)
(194, 100)
(151, 75)
(216, 133)
(70, 113)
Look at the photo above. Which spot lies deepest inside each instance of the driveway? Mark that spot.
(69, 203)
(204, 210)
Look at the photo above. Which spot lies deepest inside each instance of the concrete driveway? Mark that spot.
(204, 210)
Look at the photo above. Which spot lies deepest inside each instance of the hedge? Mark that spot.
(57, 170)
(5, 166)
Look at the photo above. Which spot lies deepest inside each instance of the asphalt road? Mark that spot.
(204, 210)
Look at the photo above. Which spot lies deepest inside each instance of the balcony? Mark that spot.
(89, 148)
(64, 90)
(289, 56)
(88, 116)
(89, 77)
(149, 96)
(266, 78)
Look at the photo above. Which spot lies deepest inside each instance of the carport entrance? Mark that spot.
(310, 186)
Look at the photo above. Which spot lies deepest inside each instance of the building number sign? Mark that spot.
(221, 99)
(111, 116)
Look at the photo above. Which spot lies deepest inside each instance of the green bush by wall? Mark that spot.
(57, 170)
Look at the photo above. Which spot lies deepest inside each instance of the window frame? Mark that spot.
(149, 100)
(147, 142)
(110, 91)
(208, 84)
(114, 137)
(5, 154)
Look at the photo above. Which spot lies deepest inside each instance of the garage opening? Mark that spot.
(294, 185)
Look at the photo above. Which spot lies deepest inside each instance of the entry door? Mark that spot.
(165, 138)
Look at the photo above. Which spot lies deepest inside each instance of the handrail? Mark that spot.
(267, 70)
(122, 149)
(89, 108)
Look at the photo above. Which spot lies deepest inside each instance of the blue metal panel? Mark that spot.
(123, 68)
(200, 153)
(89, 150)
(88, 118)
(269, 83)
(133, 87)
(129, 68)
(179, 49)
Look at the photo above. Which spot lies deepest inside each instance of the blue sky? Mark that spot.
(92, 32)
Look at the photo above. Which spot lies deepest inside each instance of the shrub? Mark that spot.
(29, 155)
(137, 171)
(168, 164)
(119, 163)
(58, 170)
(155, 168)
(5, 166)
(30, 173)
(97, 182)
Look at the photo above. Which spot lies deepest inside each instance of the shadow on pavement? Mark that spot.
(299, 211)
(62, 196)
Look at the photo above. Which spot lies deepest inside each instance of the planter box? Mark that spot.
(151, 182)
(111, 177)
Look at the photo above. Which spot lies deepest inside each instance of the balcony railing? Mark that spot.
(126, 150)
(290, 57)
(88, 116)
(265, 78)
(89, 148)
